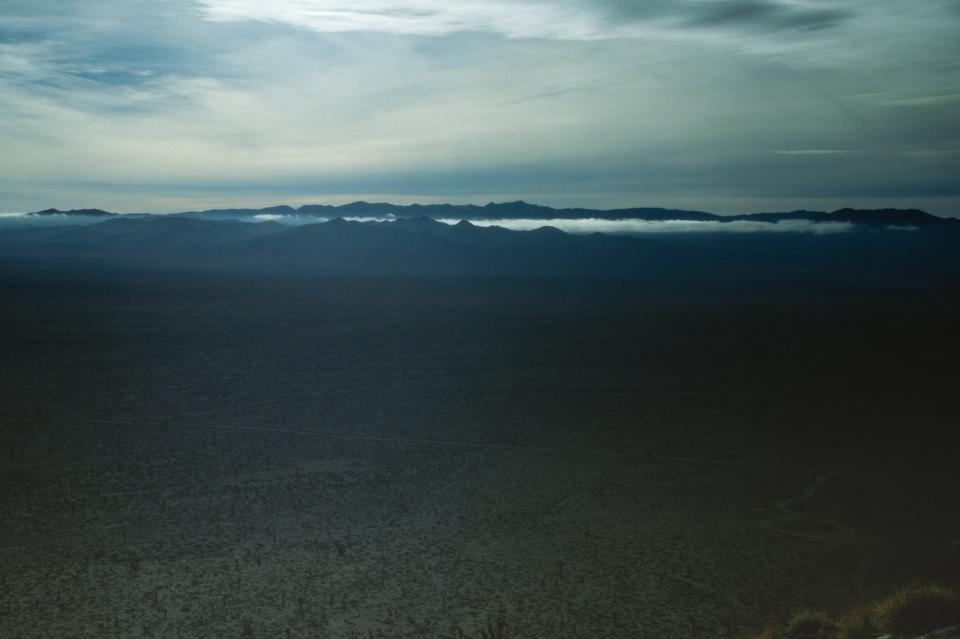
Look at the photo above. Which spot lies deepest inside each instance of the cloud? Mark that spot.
(301, 220)
(417, 17)
(935, 154)
(575, 226)
(895, 227)
(766, 15)
(813, 152)
(586, 226)
(556, 19)
(23, 220)
(711, 104)
(922, 100)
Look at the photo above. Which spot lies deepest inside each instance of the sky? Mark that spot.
(729, 106)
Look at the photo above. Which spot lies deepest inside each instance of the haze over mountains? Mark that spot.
(524, 210)
(900, 248)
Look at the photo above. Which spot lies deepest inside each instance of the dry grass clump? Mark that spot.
(857, 623)
(811, 625)
(910, 612)
(918, 609)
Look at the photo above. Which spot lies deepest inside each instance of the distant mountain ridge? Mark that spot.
(421, 244)
(492, 210)
(75, 212)
(524, 210)
(870, 217)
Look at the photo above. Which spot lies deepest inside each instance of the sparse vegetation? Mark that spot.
(811, 625)
(857, 623)
(918, 609)
(910, 612)
(354, 457)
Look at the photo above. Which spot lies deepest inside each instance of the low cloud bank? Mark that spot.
(586, 226)
(24, 220)
(300, 220)
(577, 226)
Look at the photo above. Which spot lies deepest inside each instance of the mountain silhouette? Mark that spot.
(873, 256)
(524, 210)
(75, 212)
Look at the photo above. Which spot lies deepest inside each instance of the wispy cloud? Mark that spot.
(767, 15)
(695, 103)
(550, 19)
(934, 154)
(922, 100)
(814, 152)
(417, 17)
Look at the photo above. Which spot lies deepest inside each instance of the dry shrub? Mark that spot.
(918, 609)
(811, 625)
(857, 623)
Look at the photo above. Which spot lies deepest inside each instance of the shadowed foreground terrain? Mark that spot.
(194, 449)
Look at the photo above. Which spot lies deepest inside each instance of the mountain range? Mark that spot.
(524, 210)
(871, 249)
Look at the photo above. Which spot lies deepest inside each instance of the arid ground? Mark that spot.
(195, 453)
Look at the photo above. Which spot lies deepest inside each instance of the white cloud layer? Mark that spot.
(586, 226)
(547, 19)
(24, 220)
(419, 17)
